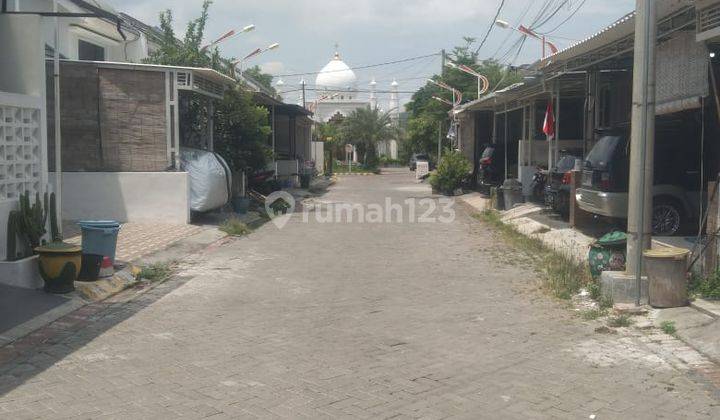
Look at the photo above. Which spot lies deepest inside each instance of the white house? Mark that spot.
(91, 38)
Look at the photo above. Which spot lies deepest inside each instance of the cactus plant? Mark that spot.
(34, 218)
(17, 243)
(54, 230)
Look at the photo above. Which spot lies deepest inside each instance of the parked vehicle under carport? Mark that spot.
(676, 198)
(557, 188)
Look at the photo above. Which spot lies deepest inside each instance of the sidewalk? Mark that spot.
(698, 325)
(23, 310)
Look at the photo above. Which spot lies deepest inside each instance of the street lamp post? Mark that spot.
(255, 53)
(457, 95)
(483, 82)
(529, 32)
(230, 34)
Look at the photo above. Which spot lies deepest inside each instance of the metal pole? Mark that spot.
(642, 141)
(543, 47)
(58, 133)
(443, 59)
(439, 142)
(506, 141)
(303, 95)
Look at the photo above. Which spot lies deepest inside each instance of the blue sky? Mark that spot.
(376, 31)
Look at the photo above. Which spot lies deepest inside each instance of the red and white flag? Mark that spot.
(549, 124)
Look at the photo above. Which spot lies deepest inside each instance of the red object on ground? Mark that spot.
(106, 268)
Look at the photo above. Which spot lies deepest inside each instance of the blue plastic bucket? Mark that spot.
(99, 237)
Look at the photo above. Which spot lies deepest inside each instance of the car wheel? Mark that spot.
(666, 218)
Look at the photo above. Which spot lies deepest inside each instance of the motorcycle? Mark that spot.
(538, 185)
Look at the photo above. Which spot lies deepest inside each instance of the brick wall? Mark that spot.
(112, 119)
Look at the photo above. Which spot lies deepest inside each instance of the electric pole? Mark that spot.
(443, 60)
(642, 146)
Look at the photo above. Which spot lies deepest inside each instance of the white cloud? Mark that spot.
(272, 67)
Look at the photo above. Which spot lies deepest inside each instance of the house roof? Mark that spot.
(280, 106)
(618, 30)
(209, 74)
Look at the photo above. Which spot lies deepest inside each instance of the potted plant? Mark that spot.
(59, 262)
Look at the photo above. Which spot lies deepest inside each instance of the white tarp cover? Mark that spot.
(209, 179)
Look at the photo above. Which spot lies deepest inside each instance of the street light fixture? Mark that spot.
(445, 101)
(228, 35)
(457, 95)
(483, 82)
(529, 32)
(255, 53)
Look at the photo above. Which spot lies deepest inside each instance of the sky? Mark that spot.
(378, 31)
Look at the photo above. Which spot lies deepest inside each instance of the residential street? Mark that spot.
(361, 320)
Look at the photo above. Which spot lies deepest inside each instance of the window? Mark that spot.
(90, 52)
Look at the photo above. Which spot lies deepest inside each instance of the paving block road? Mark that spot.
(350, 320)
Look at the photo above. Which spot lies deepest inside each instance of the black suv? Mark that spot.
(676, 196)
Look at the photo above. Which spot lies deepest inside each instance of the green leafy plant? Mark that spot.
(668, 327)
(233, 226)
(619, 321)
(452, 171)
(592, 314)
(157, 272)
(708, 288)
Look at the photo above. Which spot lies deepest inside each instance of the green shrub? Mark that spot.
(620, 321)
(668, 327)
(452, 171)
(234, 227)
(157, 272)
(708, 288)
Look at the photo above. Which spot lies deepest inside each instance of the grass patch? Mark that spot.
(593, 314)
(562, 275)
(668, 327)
(157, 272)
(619, 321)
(708, 288)
(235, 227)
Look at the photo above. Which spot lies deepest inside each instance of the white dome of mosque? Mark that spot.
(336, 75)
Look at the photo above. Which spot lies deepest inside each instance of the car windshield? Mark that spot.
(488, 152)
(421, 157)
(602, 153)
(566, 164)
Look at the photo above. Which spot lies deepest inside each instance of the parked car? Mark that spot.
(422, 157)
(605, 182)
(557, 186)
(492, 165)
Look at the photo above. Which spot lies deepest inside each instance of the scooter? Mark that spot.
(538, 185)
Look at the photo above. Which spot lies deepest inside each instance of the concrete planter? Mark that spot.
(22, 273)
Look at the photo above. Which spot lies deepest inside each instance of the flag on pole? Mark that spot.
(549, 124)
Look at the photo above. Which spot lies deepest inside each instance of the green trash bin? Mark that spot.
(608, 254)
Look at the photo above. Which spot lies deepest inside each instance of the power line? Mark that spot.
(490, 28)
(388, 63)
(566, 19)
(552, 15)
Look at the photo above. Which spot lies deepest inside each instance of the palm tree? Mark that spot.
(364, 128)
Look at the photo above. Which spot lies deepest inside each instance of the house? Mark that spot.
(113, 36)
(291, 138)
(589, 85)
(123, 126)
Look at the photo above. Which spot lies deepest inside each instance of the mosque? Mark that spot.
(337, 96)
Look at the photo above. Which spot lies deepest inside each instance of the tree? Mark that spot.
(426, 114)
(241, 127)
(264, 79)
(364, 128)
